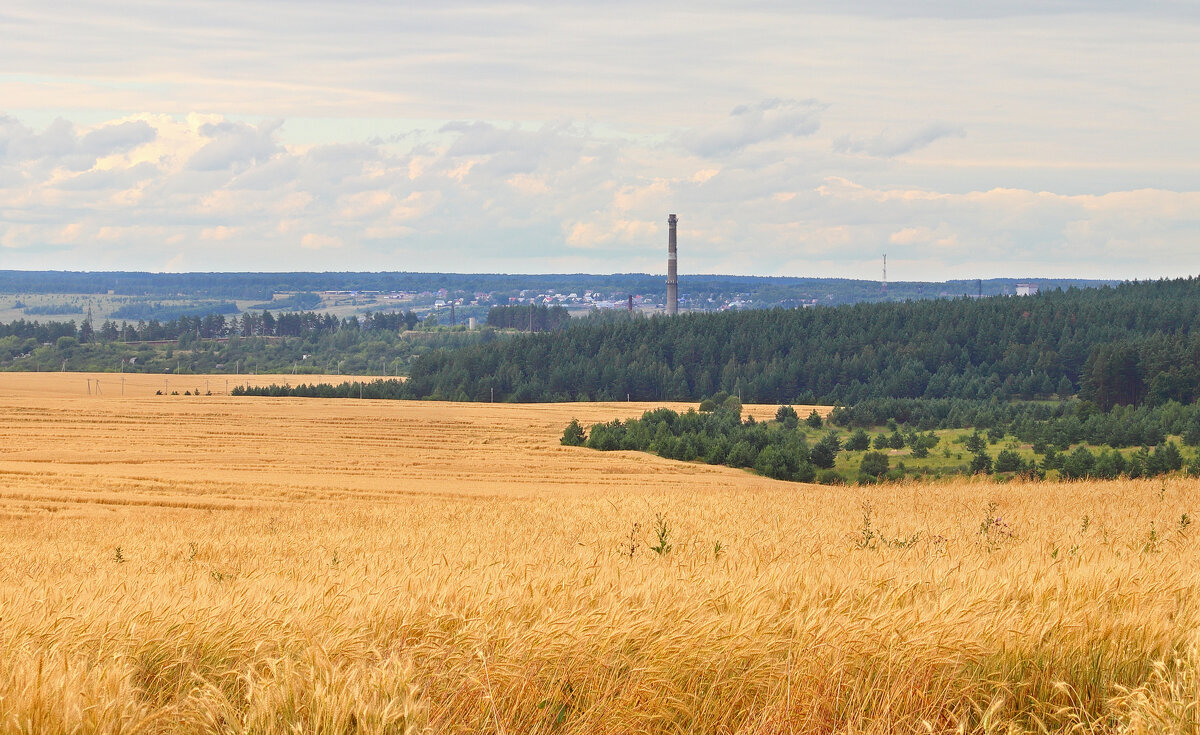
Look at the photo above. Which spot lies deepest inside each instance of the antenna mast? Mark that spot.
(885, 273)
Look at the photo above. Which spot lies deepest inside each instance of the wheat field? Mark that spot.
(182, 564)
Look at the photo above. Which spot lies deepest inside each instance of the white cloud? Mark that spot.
(761, 122)
(888, 144)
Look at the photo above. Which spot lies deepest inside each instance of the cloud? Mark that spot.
(481, 196)
(940, 236)
(314, 241)
(749, 125)
(951, 9)
(233, 144)
(888, 144)
(97, 179)
(596, 234)
(117, 138)
(58, 144)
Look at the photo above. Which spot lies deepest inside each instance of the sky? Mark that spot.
(1018, 138)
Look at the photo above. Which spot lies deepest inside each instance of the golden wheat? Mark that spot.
(174, 564)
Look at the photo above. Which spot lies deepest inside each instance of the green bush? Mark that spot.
(980, 463)
(1008, 461)
(858, 441)
(741, 455)
(573, 435)
(830, 477)
(874, 464)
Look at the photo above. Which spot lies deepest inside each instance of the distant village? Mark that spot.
(579, 303)
(574, 302)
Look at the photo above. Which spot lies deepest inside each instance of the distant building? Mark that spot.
(1027, 289)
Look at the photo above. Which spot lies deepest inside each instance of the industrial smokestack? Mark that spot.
(672, 271)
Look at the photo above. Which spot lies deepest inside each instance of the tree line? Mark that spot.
(381, 343)
(213, 325)
(1126, 345)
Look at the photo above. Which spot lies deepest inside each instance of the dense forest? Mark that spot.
(1130, 344)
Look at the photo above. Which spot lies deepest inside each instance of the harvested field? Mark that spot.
(176, 564)
(130, 385)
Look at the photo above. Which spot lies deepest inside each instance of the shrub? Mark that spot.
(741, 455)
(1008, 461)
(573, 435)
(822, 455)
(858, 441)
(975, 443)
(1078, 464)
(874, 464)
(980, 463)
(733, 405)
(805, 472)
(717, 451)
(830, 477)
(772, 463)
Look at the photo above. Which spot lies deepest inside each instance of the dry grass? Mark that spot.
(172, 564)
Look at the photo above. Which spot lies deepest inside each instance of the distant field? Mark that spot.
(174, 564)
(111, 385)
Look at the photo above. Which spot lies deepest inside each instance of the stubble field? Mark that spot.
(176, 564)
